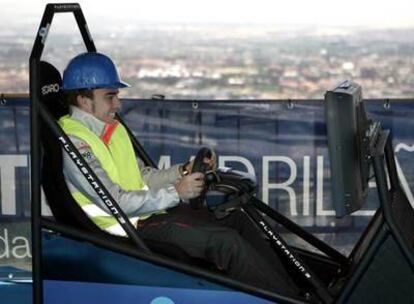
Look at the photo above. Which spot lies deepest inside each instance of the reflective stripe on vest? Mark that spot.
(117, 157)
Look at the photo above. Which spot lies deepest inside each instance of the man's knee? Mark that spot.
(228, 236)
(238, 219)
(230, 243)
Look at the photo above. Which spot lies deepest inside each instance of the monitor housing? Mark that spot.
(350, 135)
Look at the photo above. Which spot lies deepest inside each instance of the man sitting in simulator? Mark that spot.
(151, 198)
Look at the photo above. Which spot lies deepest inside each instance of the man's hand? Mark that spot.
(190, 186)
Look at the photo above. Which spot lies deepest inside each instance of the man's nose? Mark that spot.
(116, 103)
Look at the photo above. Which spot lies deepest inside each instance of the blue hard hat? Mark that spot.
(91, 71)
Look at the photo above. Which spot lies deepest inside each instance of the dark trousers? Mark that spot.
(233, 244)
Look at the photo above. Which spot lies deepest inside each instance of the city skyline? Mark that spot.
(214, 61)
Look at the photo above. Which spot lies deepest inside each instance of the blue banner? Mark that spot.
(282, 142)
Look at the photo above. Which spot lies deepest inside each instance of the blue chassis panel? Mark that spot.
(79, 272)
(15, 293)
(65, 292)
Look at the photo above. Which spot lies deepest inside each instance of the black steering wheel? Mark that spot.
(200, 166)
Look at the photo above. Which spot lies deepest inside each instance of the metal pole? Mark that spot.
(35, 186)
(38, 46)
(139, 149)
(283, 249)
(300, 232)
(35, 154)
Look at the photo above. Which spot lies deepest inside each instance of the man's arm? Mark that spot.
(131, 202)
(156, 179)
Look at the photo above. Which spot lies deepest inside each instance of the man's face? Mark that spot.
(104, 105)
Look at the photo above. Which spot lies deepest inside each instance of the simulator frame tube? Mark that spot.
(36, 110)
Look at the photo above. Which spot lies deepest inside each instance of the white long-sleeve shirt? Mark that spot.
(160, 195)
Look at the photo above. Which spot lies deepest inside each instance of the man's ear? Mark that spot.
(83, 102)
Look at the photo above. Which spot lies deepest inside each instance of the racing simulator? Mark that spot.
(73, 260)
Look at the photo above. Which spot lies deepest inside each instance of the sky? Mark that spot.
(348, 13)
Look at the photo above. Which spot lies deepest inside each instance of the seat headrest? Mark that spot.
(50, 89)
(50, 82)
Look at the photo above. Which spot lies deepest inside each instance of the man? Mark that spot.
(152, 198)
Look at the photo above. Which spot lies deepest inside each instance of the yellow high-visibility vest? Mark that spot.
(117, 157)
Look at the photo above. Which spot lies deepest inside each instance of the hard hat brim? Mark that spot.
(118, 85)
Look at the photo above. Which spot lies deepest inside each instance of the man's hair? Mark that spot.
(71, 96)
